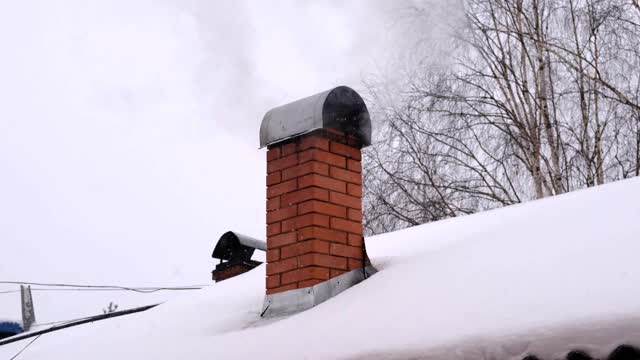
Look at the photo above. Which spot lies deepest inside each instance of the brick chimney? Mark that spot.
(314, 209)
(314, 189)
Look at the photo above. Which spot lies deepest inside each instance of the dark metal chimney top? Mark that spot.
(340, 108)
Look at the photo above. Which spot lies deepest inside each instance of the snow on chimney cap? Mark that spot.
(340, 108)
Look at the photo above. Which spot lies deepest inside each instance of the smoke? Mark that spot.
(129, 129)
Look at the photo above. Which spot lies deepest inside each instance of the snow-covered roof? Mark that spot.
(542, 277)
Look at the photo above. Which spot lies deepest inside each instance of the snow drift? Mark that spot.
(542, 277)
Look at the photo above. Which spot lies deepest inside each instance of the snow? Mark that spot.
(544, 277)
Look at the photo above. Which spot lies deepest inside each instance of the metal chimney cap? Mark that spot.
(233, 245)
(340, 108)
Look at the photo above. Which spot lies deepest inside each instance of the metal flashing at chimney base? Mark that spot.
(297, 300)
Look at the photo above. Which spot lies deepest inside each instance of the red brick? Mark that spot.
(273, 229)
(281, 214)
(345, 175)
(312, 141)
(322, 156)
(291, 277)
(310, 167)
(230, 271)
(288, 149)
(354, 165)
(282, 289)
(281, 240)
(345, 150)
(274, 178)
(322, 182)
(335, 272)
(315, 206)
(354, 190)
(355, 215)
(313, 246)
(281, 266)
(273, 153)
(282, 163)
(273, 255)
(289, 251)
(305, 247)
(355, 240)
(282, 188)
(314, 272)
(329, 261)
(316, 232)
(308, 283)
(346, 225)
(346, 251)
(346, 200)
(305, 220)
(273, 203)
(311, 272)
(355, 264)
(312, 193)
(273, 281)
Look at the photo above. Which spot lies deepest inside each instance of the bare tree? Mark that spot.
(541, 97)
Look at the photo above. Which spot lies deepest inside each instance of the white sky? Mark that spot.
(129, 130)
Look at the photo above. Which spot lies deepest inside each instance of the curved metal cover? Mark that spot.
(232, 244)
(340, 108)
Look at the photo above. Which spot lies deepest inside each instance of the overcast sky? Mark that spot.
(129, 129)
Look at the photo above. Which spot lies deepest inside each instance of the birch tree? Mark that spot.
(541, 97)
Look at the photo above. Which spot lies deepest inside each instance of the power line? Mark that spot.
(54, 323)
(141, 289)
(63, 321)
(138, 290)
(95, 286)
(25, 347)
(72, 323)
(144, 291)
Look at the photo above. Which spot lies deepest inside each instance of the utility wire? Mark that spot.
(62, 321)
(38, 336)
(54, 323)
(72, 323)
(25, 347)
(141, 289)
(8, 292)
(93, 286)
